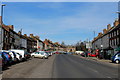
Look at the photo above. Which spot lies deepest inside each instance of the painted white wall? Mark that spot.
(1, 38)
(40, 44)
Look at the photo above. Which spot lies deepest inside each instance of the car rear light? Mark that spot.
(9, 56)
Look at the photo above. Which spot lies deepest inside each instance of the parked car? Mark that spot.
(116, 58)
(82, 54)
(18, 56)
(65, 53)
(1, 61)
(27, 55)
(57, 52)
(21, 52)
(7, 57)
(40, 54)
(48, 53)
(4, 59)
(51, 53)
(13, 55)
(79, 52)
(69, 53)
(91, 54)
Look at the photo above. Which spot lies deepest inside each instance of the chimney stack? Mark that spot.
(25, 35)
(99, 34)
(108, 27)
(11, 27)
(116, 23)
(31, 35)
(37, 37)
(19, 32)
(104, 31)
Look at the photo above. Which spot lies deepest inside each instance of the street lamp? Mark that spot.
(1, 21)
(102, 51)
(2, 13)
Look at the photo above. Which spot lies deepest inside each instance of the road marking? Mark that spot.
(111, 78)
(94, 70)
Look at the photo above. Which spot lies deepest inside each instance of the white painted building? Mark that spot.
(1, 37)
(40, 45)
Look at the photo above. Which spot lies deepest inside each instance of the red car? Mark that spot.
(91, 54)
(57, 52)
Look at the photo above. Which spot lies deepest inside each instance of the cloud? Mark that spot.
(60, 0)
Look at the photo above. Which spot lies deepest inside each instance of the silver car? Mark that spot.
(40, 54)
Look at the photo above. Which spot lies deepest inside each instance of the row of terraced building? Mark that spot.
(10, 39)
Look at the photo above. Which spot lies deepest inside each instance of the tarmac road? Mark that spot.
(61, 66)
(68, 66)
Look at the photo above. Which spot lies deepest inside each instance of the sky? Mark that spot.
(60, 21)
(60, 0)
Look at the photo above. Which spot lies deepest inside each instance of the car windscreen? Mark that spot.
(42, 53)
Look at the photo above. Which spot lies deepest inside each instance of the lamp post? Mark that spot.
(102, 51)
(1, 24)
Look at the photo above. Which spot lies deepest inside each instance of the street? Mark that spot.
(61, 66)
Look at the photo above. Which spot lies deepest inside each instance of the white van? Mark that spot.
(21, 52)
(79, 52)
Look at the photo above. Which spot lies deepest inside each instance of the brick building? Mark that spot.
(108, 41)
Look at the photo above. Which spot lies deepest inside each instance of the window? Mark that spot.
(114, 41)
(114, 33)
(117, 32)
(37, 53)
(118, 55)
(117, 40)
(111, 35)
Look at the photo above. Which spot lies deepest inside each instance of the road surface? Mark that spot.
(62, 66)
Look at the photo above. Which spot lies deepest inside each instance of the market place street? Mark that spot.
(62, 66)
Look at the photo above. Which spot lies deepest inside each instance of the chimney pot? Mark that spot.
(25, 35)
(116, 22)
(104, 31)
(11, 27)
(108, 26)
(31, 35)
(19, 33)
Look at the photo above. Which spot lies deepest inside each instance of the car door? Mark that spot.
(40, 54)
(36, 54)
(119, 56)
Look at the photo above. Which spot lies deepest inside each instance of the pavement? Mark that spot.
(100, 60)
(62, 66)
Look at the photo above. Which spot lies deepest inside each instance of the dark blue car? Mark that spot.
(6, 57)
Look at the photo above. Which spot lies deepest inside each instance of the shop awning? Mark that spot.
(118, 49)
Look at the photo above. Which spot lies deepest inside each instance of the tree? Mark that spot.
(80, 46)
(63, 43)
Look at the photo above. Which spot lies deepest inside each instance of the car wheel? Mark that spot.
(117, 61)
(43, 58)
(33, 56)
(46, 58)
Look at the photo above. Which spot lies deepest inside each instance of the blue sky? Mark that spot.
(60, 21)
